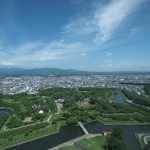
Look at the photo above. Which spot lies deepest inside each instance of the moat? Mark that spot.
(67, 133)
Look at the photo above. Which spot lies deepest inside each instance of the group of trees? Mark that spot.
(76, 95)
(99, 105)
(14, 122)
(116, 141)
(123, 116)
(136, 98)
(96, 89)
(101, 102)
(3, 119)
(19, 107)
(147, 89)
(74, 113)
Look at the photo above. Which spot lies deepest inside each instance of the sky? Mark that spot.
(90, 35)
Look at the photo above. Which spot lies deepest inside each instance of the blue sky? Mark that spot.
(97, 35)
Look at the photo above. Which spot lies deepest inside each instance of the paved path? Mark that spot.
(69, 143)
(50, 118)
(143, 139)
(83, 128)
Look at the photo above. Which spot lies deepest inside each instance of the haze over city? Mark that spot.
(98, 35)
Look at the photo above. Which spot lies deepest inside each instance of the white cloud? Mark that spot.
(97, 26)
(110, 17)
(37, 51)
(79, 27)
(6, 63)
(103, 21)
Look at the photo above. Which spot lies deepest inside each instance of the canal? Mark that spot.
(129, 131)
(70, 132)
(65, 134)
(2, 113)
(120, 99)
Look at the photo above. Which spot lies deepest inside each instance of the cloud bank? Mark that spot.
(103, 21)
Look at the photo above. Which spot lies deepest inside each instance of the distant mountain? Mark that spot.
(8, 71)
(40, 72)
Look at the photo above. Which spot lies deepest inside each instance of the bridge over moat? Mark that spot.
(83, 128)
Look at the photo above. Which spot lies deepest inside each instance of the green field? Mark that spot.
(68, 148)
(94, 143)
(148, 139)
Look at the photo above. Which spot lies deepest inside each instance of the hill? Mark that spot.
(40, 72)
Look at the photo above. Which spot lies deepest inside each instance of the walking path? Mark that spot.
(143, 138)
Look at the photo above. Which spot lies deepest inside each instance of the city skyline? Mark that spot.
(110, 35)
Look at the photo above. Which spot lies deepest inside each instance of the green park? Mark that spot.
(31, 116)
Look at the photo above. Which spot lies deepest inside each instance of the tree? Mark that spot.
(116, 141)
(72, 120)
(116, 144)
(14, 122)
(118, 133)
(10, 138)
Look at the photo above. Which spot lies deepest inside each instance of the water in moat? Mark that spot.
(129, 131)
(2, 113)
(66, 133)
(70, 132)
(120, 99)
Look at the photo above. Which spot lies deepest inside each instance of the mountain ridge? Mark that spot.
(40, 71)
(10, 71)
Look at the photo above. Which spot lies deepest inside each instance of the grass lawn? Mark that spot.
(148, 139)
(48, 116)
(95, 143)
(68, 148)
